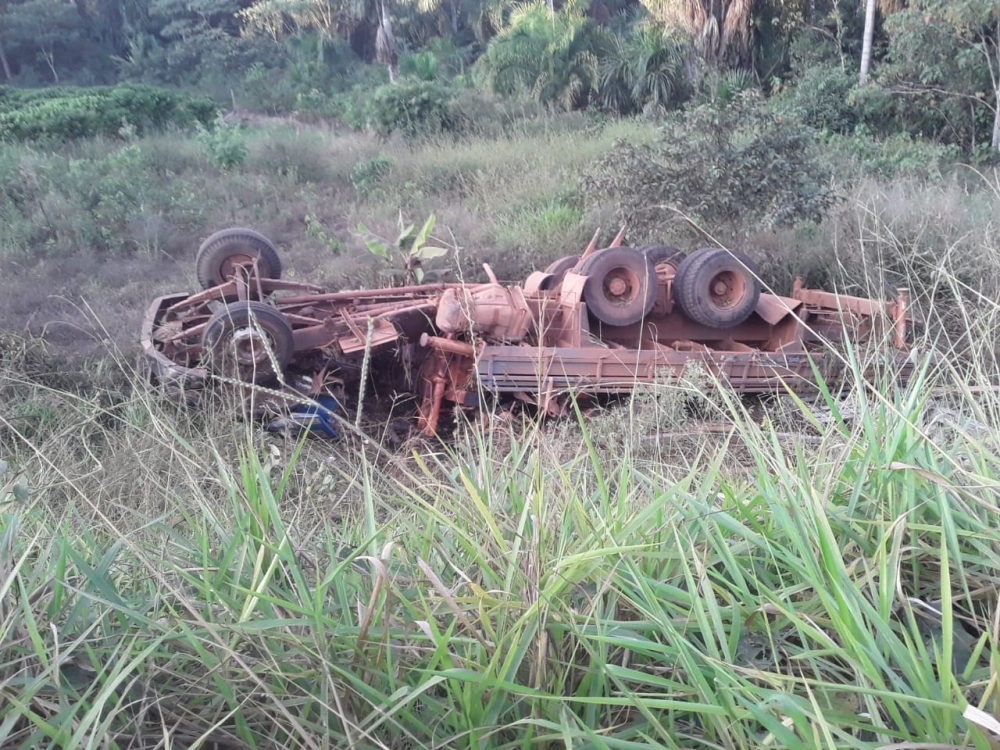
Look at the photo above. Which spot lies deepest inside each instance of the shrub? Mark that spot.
(64, 113)
(821, 98)
(116, 202)
(895, 156)
(420, 65)
(297, 156)
(729, 169)
(225, 146)
(412, 108)
(366, 175)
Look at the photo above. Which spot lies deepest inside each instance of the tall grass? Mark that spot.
(835, 589)
(803, 574)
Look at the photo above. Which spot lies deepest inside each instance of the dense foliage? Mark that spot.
(412, 108)
(62, 113)
(723, 168)
(552, 58)
(933, 73)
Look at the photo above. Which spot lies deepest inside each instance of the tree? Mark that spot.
(5, 63)
(866, 52)
(39, 30)
(385, 43)
(730, 166)
(551, 56)
(723, 28)
(645, 68)
(453, 8)
(945, 56)
(278, 18)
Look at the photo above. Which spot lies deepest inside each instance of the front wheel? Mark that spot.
(249, 341)
(224, 253)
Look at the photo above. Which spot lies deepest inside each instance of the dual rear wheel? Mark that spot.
(715, 287)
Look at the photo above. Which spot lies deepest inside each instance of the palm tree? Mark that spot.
(553, 56)
(645, 68)
(723, 28)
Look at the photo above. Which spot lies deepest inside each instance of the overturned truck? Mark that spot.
(600, 322)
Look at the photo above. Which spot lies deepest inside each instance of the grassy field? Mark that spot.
(687, 569)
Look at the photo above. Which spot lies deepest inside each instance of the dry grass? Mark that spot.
(180, 576)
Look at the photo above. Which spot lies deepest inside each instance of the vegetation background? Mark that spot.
(805, 574)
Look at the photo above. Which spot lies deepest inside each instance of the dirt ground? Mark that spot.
(86, 308)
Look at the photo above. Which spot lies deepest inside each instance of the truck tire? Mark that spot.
(716, 287)
(621, 285)
(558, 269)
(223, 252)
(662, 253)
(249, 341)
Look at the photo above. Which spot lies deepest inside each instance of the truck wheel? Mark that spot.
(224, 252)
(662, 253)
(621, 285)
(716, 287)
(249, 341)
(558, 269)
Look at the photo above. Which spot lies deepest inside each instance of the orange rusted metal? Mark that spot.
(453, 343)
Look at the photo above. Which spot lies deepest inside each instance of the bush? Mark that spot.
(896, 156)
(299, 157)
(480, 113)
(412, 108)
(65, 113)
(367, 174)
(722, 169)
(820, 98)
(115, 202)
(224, 145)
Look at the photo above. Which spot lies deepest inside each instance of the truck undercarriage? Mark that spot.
(602, 322)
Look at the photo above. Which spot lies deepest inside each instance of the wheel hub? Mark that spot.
(235, 263)
(250, 346)
(727, 289)
(621, 286)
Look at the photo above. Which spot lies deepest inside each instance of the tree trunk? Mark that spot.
(3, 61)
(385, 44)
(996, 122)
(866, 50)
(50, 60)
(453, 8)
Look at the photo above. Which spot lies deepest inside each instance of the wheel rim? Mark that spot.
(250, 347)
(727, 289)
(621, 286)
